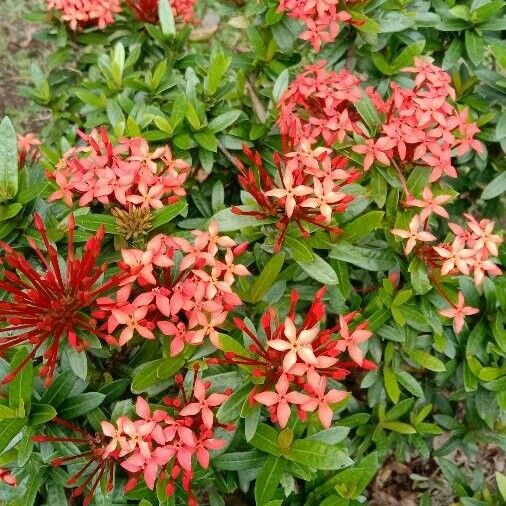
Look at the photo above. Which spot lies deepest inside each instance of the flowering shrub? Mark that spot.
(254, 256)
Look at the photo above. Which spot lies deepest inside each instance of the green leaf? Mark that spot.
(350, 483)
(496, 187)
(267, 277)
(166, 17)
(168, 213)
(297, 249)
(151, 373)
(77, 361)
(280, 85)
(8, 212)
(268, 480)
(230, 410)
(207, 140)
(409, 383)
(92, 222)
(9, 429)
(501, 484)
(59, 389)
(406, 56)
(365, 258)
(362, 226)
(80, 404)
(318, 455)
(319, 270)
(331, 436)
(178, 112)
(41, 413)
(8, 161)
(400, 427)
(428, 361)
(217, 68)
(391, 385)
(32, 192)
(229, 222)
(238, 461)
(20, 388)
(475, 46)
(224, 120)
(368, 112)
(266, 439)
(6, 412)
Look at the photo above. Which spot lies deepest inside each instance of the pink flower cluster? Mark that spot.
(181, 288)
(157, 445)
(320, 104)
(82, 13)
(422, 126)
(126, 175)
(471, 252)
(296, 362)
(309, 188)
(149, 443)
(321, 17)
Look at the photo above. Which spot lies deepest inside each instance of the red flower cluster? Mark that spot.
(181, 288)
(157, 445)
(82, 13)
(295, 363)
(422, 126)
(125, 175)
(308, 189)
(321, 17)
(49, 306)
(147, 10)
(320, 104)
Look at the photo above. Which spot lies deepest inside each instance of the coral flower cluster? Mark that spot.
(147, 10)
(297, 364)
(320, 17)
(161, 444)
(125, 175)
(51, 304)
(83, 13)
(422, 126)
(309, 188)
(319, 105)
(180, 288)
(472, 252)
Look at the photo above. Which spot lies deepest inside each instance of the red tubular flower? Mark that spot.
(46, 307)
(98, 465)
(295, 362)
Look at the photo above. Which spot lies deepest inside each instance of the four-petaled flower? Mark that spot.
(458, 312)
(295, 344)
(413, 234)
(281, 399)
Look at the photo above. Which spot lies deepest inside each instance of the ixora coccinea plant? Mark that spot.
(243, 268)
